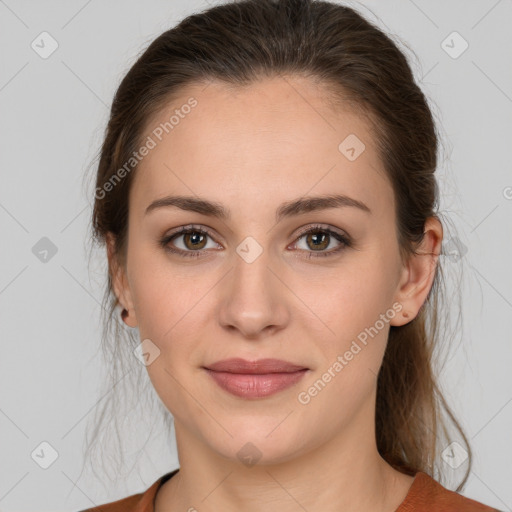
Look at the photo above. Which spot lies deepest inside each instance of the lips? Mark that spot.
(261, 366)
(255, 379)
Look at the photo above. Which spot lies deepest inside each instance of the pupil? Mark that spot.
(320, 238)
(195, 238)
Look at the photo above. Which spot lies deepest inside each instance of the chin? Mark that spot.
(256, 442)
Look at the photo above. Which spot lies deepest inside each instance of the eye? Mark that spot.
(193, 241)
(320, 238)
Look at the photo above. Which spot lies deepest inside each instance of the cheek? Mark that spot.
(357, 313)
(174, 313)
(355, 309)
(169, 314)
(348, 300)
(165, 298)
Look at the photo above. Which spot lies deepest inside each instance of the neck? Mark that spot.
(344, 472)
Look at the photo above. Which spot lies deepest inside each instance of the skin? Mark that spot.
(251, 149)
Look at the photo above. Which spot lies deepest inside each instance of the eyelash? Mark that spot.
(343, 239)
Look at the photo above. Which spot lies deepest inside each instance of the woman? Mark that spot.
(267, 197)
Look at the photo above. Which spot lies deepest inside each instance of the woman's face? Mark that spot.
(254, 287)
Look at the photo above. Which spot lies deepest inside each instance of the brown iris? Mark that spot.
(315, 237)
(195, 238)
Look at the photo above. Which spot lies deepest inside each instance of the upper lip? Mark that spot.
(261, 366)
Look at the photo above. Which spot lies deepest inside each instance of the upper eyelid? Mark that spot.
(315, 226)
(302, 231)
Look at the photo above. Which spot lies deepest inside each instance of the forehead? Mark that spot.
(274, 139)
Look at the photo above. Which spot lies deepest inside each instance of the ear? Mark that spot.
(120, 282)
(418, 274)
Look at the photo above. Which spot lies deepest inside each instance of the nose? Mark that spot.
(254, 300)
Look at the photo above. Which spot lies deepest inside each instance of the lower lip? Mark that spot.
(255, 385)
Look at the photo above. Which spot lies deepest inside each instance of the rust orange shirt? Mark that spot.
(425, 495)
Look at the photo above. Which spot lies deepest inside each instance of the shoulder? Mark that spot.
(140, 502)
(427, 494)
(129, 504)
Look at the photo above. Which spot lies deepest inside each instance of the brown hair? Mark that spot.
(243, 41)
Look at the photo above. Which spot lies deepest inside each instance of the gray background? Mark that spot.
(53, 114)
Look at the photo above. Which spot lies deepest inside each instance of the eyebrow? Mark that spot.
(288, 209)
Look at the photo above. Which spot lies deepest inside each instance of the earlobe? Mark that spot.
(419, 273)
(119, 284)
